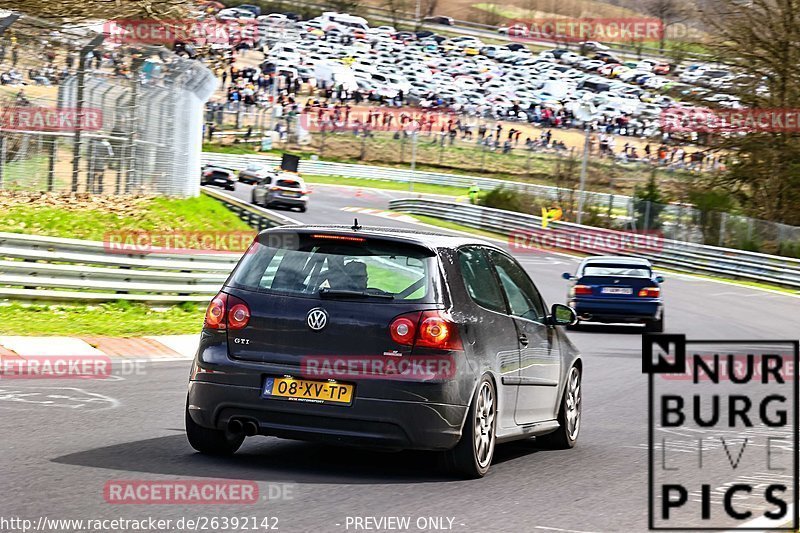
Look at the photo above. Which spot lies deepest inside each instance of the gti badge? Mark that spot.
(317, 319)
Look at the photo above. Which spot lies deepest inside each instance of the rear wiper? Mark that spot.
(345, 293)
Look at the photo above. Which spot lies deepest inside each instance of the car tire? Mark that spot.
(472, 456)
(569, 415)
(231, 187)
(655, 326)
(303, 209)
(211, 441)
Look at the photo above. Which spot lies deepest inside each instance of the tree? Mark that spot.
(427, 7)
(710, 204)
(397, 9)
(79, 10)
(668, 12)
(759, 42)
(345, 6)
(648, 205)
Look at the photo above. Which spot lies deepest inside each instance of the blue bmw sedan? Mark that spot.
(612, 289)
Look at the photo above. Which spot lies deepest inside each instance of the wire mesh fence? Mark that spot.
(79, 114)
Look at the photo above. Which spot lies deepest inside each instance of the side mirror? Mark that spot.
(567, 276)
(562, 315)
(659, 279)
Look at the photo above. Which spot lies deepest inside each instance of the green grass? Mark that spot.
(469, 160)
(117, 319)
(425, 188)
(446, 224)
(93, 222)
(25, 173)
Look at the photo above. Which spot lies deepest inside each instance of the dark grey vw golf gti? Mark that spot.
(383, 338)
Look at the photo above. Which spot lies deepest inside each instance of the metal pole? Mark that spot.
(413, 161)
(272, 116)
(583, 172)
(2, 158)
(76, 149)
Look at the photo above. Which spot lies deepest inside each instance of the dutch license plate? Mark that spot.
(308, 391)
(617, 290)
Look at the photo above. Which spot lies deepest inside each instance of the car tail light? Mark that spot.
(582, 290)
(238, 316)
(650, 292)
(403, 330)
(215, 314)
(428, 329)
(227, 312)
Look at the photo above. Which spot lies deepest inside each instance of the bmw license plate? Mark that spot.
(302, 390)
(616, 290)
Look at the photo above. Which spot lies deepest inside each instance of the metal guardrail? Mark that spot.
(523, 230)
(328, 168)
(253, 215)
(35, 267)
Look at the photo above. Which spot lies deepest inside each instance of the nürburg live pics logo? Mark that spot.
(722, 434)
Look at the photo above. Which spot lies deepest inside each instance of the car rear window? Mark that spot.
(336, 266)
(617, 270)
(292, 184)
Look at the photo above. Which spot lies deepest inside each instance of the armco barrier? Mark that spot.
(675, 255)
(328, 168)
(34, 267)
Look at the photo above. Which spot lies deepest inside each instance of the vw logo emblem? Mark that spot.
(317, 319)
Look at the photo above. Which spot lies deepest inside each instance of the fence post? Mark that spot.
(2, 159)
(76, 149)
(51, 163)
(722, 222)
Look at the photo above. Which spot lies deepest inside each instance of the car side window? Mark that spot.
(523, 297)
(480, 282)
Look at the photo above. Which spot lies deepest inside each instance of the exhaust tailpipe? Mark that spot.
(250, 428)
(586, 316)
(235, 426)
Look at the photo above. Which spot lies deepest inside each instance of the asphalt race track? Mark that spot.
(63, 441)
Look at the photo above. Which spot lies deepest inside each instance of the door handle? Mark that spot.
(523, 340)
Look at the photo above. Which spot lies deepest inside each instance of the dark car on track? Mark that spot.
(612, 289)
(383, 338)
(218, 176)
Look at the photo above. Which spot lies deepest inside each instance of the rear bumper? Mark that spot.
(283, 200)
(607, 310)
(367, 422)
